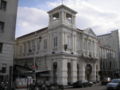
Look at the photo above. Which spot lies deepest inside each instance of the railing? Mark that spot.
(87, 54)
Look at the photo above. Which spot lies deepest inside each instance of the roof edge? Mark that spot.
(61, 6)
(37, 31)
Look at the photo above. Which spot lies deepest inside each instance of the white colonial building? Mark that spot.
(68, 53)
(112, 41)
(8, 13)
(108, 64)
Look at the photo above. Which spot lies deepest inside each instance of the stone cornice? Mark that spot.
(62, 6)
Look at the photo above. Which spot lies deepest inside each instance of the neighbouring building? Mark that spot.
(107, 62)
(62, 50)
(112, 41)
(8, 11)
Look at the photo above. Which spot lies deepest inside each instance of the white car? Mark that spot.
(113, 84)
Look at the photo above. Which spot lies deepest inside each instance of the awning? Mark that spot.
(43, 73)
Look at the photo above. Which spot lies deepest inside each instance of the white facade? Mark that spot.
(107, 62)
(8, 11)
(70, 54)
(111, 40)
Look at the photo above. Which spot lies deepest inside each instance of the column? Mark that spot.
(82, 71)
(49, 42)
(82, 45)
(62, 41)
(62, 16)
(80, 42)
(75, 43)
(97, 70)
(62, 72)
(95, 49)
(73, 21)
(51, 70)
(74, 39)
(93, 74)
(74, 71)
(87, 49)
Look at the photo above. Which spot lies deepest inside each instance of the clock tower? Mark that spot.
(61, 15)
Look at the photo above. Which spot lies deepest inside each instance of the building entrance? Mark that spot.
(88, 71)
(55, 72)
(69, 73)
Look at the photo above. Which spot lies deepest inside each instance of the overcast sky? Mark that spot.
(102, 16)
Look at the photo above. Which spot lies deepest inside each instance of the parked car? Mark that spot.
(106, 80)
(90, 84)
(114, 84)
(118, 87)
(81, 84)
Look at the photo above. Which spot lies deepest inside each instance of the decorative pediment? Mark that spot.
(90, 32)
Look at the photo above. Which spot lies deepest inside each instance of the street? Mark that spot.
(96, 87)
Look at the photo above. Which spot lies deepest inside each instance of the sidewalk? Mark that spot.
(66, 87)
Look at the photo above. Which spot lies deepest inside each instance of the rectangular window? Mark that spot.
(4, 67)
(25, 48)
(20, 50)
(69, 41)
(1, 26)
(33, 45)
(38, 45)
(3, 5)
(55, 42)
(45, 44)
(29, 48)
(1, 47)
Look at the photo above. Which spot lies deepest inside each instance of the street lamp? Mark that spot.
(34, 58)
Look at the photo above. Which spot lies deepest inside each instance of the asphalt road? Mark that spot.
(95, 87)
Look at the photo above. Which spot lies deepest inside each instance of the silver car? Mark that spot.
(113, 84)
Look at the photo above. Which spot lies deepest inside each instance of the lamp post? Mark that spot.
(34, 57)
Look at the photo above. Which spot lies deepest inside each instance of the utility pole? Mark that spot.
(34, 58)
(36, 40)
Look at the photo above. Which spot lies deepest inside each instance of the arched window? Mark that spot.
(69, 73)
(88, 71)
(55, 72)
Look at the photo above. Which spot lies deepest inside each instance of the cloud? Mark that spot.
(30, 19)
(91, 14)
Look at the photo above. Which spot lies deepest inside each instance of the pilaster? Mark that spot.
(62, 72)
(93, 74)
(74, 71)
(82, 71)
